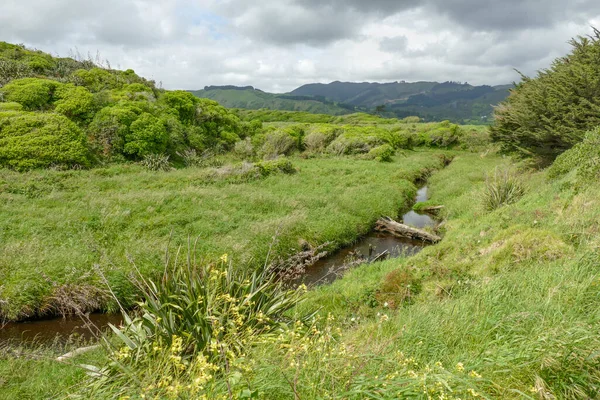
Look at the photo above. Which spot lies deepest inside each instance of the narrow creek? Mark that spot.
(366, 249)
(369, 248)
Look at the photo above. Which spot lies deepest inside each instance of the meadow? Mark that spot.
(63, 230)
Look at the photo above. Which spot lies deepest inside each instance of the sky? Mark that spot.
(278, 45)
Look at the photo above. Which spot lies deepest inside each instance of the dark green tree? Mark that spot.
(548, 114)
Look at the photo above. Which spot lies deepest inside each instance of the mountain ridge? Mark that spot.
(430, 100)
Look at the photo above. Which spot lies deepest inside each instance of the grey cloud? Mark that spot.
(396, 44)
(108, 21)
(283, 24)
(510, 15)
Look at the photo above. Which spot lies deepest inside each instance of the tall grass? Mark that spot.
(503, 187)
(192, 326)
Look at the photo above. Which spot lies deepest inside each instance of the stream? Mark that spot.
(366, 249)
(370, 247)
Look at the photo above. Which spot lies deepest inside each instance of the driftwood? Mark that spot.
(388, 225)
(77, 352)
(431, 208)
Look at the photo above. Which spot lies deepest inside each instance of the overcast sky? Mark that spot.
(278, 45)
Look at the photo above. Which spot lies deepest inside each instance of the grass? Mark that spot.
(510, 294)
(58, 225)
(506, 307)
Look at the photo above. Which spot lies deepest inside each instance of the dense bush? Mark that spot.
(548, 114)
(31, 93)
(278, 143)
(11, 107)
(74, 102)
(110, 126)
(383, 153)
(282, 165)
(38, 140)
(147, 135)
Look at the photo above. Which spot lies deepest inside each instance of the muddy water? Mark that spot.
(60, 329)
(370, 247)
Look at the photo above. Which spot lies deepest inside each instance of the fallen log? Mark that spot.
(77, 352)
(386, 224)
(431, 208)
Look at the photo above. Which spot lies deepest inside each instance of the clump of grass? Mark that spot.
(502, 188)
(156, 162)
(193, 325)
(399, 287)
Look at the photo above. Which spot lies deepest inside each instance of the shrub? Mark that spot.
(411, 120)
(244, 149)
(31, 93)
(39, 140)
(273, 166)
(276, 144)
(146, 135)
(192, 158)
(194, 323)
(317, 141)
(183, 102)
(74, 102)
(346, 144)
(382, 153)
(399, 287)
(11, 107)
(96, 79)
(502, 188)
(156, 162)
(548, 114)
(110, 127)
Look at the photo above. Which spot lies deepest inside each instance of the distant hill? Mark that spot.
(455, 101)
(247, 97)
(432, 101)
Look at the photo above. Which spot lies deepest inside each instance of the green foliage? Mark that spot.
(383, 153)
(280, 165)
(111, 126)
(502, 188)
(156, 162)
(35, 140)
(74, 102)
(197, 321)
(183, 102)
(146, 135)
(548, 114)
(31, 93)
(278, 143)
(584, 158)
(10, 107)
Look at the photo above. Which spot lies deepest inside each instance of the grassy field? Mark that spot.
(58, 225)
(507, 308)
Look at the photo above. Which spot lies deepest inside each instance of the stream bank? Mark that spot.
(372, 247)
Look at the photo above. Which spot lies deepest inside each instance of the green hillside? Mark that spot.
(458, 102)
(431, 101)
(254, 99)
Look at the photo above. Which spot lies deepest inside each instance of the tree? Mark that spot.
(548, 114)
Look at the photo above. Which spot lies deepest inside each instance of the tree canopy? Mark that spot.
(548, 114)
